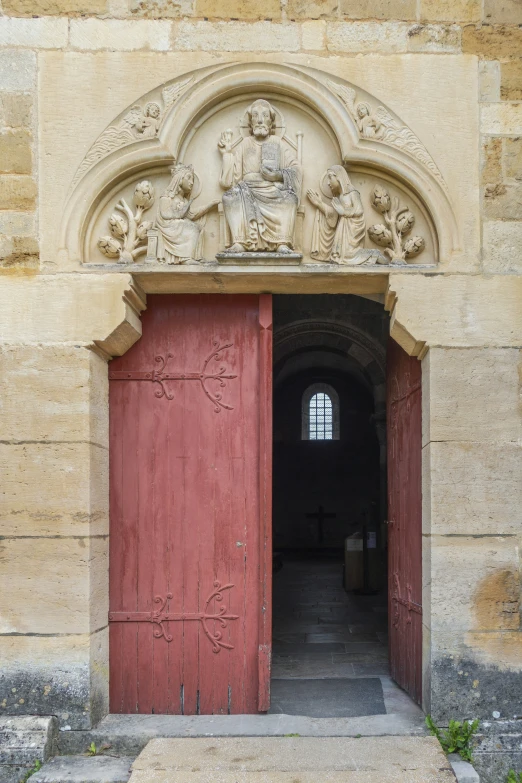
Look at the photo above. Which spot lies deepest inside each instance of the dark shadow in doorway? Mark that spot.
(340, 698)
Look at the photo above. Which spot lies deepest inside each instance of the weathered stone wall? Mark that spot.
(466, 324)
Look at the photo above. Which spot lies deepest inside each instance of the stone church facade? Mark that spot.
(396, 127)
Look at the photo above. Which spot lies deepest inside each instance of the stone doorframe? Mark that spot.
(55, 651)
(123, 334)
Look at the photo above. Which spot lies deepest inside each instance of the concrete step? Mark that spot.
(129, 734)
(84, 769)
(293, 760)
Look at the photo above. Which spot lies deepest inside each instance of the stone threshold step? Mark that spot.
(293, 760)
(129, 734)
(82, 769)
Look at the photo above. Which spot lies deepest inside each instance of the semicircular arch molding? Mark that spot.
(131, 146)
(354, 343)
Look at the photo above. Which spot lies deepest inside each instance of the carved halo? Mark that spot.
(196, 188)
(325, 187)
(279, 126)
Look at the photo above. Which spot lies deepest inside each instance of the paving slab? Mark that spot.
(293, 760)
(84, 769)
(342, 698)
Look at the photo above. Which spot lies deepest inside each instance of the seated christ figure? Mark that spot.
(263, 181)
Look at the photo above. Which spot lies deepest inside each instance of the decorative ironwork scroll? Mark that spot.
(159, 616)
(398, 598)
(159, 375)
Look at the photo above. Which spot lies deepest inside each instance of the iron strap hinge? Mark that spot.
(159, 375)
(160, 616)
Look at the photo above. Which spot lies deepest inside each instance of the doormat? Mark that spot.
(339, 698)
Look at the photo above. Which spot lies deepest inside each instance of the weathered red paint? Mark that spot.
(404, 437)
(190, 486)
(265, 500)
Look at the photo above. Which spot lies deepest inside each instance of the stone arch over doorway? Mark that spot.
(357, 348)
(184, 131)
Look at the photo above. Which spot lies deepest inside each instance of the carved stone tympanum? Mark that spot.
(262, 178)
(251, 155)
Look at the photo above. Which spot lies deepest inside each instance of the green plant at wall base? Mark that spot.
(514, 777)
(36, 766)
(456, 738)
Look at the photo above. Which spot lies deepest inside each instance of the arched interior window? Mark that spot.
(320, 413)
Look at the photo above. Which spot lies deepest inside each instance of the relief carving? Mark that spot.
(129, 232)
(138, 124)
(254, 180)
(339, 224)
(145, 121)
(379, 124)
(339, 227)
(399, 221)
(176, 237)
(261, 176)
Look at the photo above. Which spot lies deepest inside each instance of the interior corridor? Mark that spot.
(319, 629)
(330, 644)
(330, 647)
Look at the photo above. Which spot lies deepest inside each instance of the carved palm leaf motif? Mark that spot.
(172, 92)
(403, 138)
(346, 94)
(112, 138)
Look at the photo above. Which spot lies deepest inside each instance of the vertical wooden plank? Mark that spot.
(159, 565)
(194, 489)
(405, 518)
(129, 551)
(265, 498)
(187, 505)
(249, 356)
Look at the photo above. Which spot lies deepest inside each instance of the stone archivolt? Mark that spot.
(269, 167)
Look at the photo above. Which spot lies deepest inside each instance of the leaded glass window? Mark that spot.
(320, 413)
(320, 424)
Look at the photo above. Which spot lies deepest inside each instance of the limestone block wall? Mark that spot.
(59, 325)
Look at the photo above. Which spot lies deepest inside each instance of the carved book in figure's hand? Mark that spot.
(271, 156)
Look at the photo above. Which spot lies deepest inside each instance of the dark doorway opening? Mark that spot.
(330, 605)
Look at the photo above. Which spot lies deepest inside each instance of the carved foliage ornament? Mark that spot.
(398, 221)
(128, 237)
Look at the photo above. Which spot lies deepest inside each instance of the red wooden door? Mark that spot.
(190, 480)
(404, 437)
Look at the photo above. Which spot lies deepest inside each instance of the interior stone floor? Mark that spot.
(322, 632)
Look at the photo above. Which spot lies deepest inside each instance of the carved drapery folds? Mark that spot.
(259, 178)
